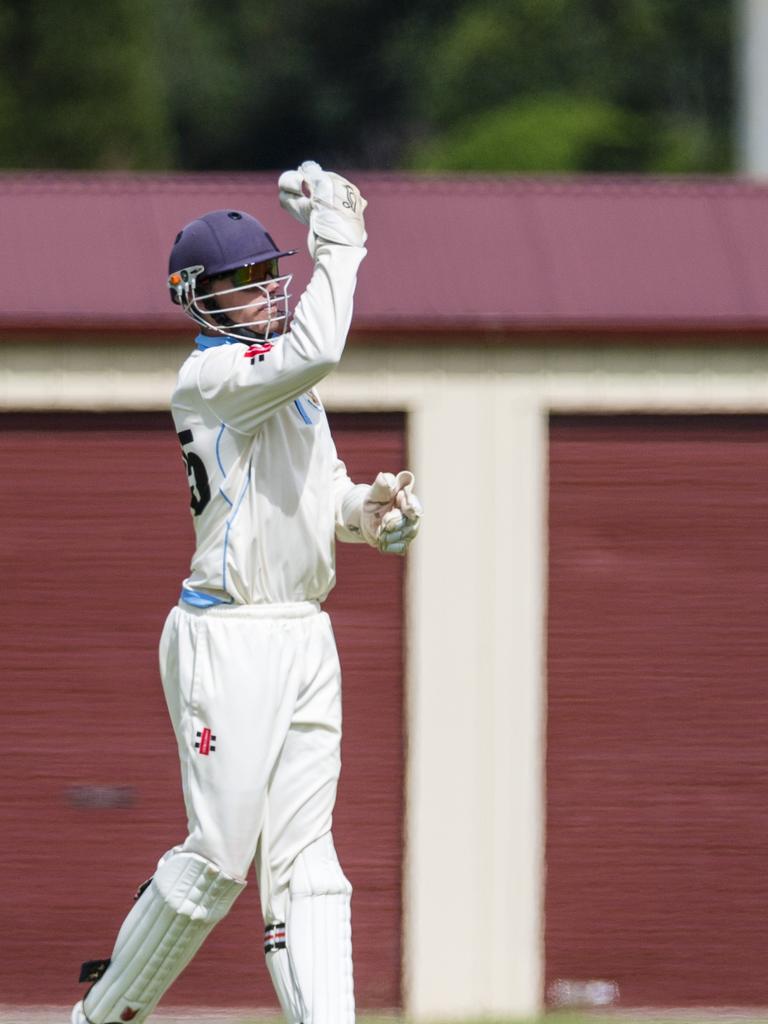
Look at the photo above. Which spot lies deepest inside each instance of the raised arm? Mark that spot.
(243, 386)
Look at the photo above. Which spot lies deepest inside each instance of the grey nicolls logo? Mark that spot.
(351, 201)
(205, 742)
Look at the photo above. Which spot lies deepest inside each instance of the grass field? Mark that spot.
(56, 1015)
(608, 1017)
(644, 1017)
(653, 1017)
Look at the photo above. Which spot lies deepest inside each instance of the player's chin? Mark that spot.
(277, 324)
(262, 331)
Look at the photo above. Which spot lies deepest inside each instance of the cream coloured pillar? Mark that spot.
(474, 799)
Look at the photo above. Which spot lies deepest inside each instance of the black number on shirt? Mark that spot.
(199, 487)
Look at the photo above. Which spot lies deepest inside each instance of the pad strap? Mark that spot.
(310, 956)
(283, 973)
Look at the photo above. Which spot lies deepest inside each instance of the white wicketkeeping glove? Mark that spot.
(330, 205)
(391, 513)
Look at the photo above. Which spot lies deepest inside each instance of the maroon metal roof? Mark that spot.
(88, 252)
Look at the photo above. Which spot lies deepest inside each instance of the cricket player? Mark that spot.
(247, 658)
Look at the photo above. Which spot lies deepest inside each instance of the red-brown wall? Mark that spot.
(95, 540)
(657, 765)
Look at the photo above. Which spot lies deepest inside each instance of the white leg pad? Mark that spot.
(312, 975)
(186, 898)
(283, 973)
(78, 1017)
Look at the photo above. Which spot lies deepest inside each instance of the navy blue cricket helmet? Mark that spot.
(223, 240)
(211, 246)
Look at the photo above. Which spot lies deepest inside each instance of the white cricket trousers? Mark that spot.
(254, 694)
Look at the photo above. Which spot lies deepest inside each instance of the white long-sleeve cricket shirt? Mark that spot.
(266, 483)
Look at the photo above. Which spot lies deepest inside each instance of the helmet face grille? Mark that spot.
(249, 312)
(216, 244)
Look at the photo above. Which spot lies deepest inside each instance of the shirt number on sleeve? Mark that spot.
(199, 487)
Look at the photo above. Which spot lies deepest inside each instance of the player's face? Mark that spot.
(250, 290)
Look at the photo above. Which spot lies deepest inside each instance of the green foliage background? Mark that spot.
(487, 85)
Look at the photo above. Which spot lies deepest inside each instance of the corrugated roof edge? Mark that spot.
(630, 185)
(729, 300)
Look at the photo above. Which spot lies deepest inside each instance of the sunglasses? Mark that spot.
(254, 273)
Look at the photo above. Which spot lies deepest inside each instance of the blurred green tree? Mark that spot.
(546, 132)
(579, 85)
(81, 86)
(487, 85)
(264, 84)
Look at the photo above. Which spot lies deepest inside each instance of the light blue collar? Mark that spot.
(203, 341)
